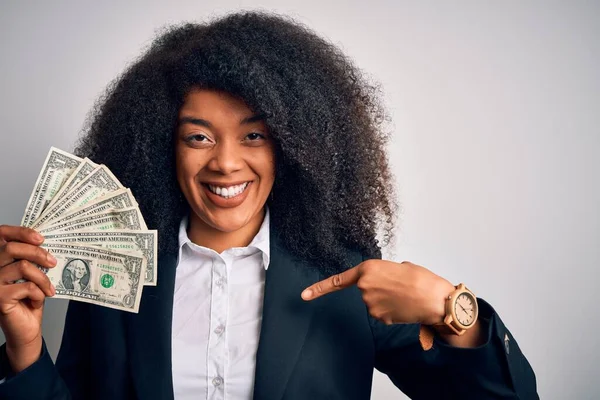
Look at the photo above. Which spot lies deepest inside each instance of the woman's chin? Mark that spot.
(227, 222)
(228, 228)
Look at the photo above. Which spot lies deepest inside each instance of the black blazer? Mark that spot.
(324, 349)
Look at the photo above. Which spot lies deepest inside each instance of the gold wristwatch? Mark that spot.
(461, 314)
(461, 311)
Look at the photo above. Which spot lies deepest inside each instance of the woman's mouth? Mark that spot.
(227, 196)
(229, 191)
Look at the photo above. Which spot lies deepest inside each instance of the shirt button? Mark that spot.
(219, 329)
(220, 282)
(506, 344)
(218, 381)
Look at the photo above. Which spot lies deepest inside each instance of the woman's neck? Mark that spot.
(205, 235)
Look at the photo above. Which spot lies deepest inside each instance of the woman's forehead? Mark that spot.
(211, 98)
(205, 107)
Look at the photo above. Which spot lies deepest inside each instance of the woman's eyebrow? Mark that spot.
(253, 118)
(195, 121)
(207, 124)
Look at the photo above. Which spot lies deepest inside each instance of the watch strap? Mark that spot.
(448, 329)
(426, 335)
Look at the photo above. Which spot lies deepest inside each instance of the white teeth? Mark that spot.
(229, 192)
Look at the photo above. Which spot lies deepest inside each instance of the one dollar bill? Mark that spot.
(85, 168)
(96, 184)
(121, 240)
(118, 200)
(98, 276)
(127, 218)
(57, 168)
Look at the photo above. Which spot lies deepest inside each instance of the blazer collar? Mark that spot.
(285, 322)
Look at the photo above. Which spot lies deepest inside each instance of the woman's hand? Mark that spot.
(21, 304)
(393, 292)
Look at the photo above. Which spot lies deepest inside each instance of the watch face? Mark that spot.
(465, 308)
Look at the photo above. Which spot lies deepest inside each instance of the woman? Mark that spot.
(255, 148)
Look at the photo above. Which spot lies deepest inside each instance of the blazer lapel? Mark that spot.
(285, 321)
(149, 336)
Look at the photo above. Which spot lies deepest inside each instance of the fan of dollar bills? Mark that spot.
(94, 228)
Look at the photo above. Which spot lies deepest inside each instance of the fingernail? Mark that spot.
(52, 289)
(38, 237)
(307, 294)
(51, 258)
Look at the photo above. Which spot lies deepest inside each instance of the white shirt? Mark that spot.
(217, 312)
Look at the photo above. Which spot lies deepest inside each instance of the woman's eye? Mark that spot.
(255, 136)
(196, 138)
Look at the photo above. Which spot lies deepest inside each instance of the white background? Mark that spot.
(495, 109)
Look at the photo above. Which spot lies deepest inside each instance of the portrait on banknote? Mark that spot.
(76, 275)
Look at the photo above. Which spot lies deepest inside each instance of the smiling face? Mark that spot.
(225, 161)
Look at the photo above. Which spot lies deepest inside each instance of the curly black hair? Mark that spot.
(333, 189)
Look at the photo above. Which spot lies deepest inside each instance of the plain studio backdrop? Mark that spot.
(495, 111)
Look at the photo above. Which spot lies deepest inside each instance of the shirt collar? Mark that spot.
(261, 241)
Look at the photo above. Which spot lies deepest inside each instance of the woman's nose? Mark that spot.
(227, 158)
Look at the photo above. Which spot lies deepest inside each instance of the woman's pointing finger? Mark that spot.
(332, 284)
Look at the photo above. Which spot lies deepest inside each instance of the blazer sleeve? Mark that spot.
(496, 370)
(65, 380)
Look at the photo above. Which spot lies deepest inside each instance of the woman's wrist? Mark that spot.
(21, 357)
(437, 296)
(473, 337)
